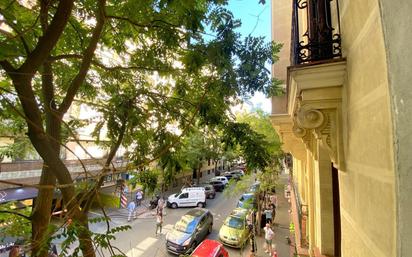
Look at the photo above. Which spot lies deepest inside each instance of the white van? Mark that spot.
(220, 178)
(188, 197)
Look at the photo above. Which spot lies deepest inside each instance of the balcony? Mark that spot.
(315, 31)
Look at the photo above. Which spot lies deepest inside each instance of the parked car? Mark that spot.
(220, 178)
(234, 231)
(230, 175)
(254, 187)
(209, 190)
(189, 231)
(188, 197)
(218, 185)
(247, 201)
(238, 172)
(210, 248)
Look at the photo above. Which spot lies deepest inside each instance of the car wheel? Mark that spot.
(210, 229)
(174, 205)
(213, 196)
(200, 205)
(192, 247)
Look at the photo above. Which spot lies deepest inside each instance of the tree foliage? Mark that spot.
(260, 122)
(144, 68)
(10, 214)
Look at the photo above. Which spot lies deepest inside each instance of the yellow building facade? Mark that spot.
(346, 120)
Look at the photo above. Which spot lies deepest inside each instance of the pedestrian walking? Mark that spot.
(139, 197)
(132, 210)
(269, 235)
(159, 222)
(268, 215)
(160, 206)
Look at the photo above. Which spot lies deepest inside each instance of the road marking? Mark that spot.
(143, 246)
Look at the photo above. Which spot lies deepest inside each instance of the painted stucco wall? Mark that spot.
(367, 187)
(397, 23)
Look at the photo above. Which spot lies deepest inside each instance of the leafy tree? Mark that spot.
(147, 178)
(9, 214)
(142, 66)
(260, 122)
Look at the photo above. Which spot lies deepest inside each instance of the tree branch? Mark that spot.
(108, 68)
(87, 59)
(19, 34)
(47, 42)
(16, 213)
(150, 25)
(6, 65)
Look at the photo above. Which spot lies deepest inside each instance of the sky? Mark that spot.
(255, 20)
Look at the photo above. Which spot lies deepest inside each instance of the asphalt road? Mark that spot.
(141, 241)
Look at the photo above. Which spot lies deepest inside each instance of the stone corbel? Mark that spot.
(320, 125)
(307, 138)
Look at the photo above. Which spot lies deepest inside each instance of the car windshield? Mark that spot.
(234, 222)
(246, 197)
(186, 224)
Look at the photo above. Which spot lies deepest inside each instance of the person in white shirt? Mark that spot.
(269, 234)
(139, 197)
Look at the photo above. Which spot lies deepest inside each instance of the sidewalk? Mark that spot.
(281, 227)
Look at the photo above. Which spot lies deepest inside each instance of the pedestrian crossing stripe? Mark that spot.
(143, 246)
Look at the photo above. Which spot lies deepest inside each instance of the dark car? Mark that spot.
(189, 231)
(209, 191)
(218, 185)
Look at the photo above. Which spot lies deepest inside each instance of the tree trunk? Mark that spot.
(41, 219)
(43, 207)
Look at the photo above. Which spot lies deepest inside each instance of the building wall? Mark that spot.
(375, 185)
(4, 141)
(281, 33)
(367, 186)
(397, 20)
(281, 24)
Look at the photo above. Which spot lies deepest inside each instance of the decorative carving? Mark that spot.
(309, 118)
(315, 126)
(298, 131)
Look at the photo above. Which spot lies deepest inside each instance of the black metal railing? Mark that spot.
(315, 31)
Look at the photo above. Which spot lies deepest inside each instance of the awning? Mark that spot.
(17, 194)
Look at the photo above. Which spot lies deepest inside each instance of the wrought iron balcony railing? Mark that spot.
(315, 31)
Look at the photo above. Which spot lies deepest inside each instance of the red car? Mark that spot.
(210, 248)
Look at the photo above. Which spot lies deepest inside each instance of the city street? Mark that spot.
(141, 241)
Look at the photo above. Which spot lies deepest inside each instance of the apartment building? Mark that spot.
(345, 119)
